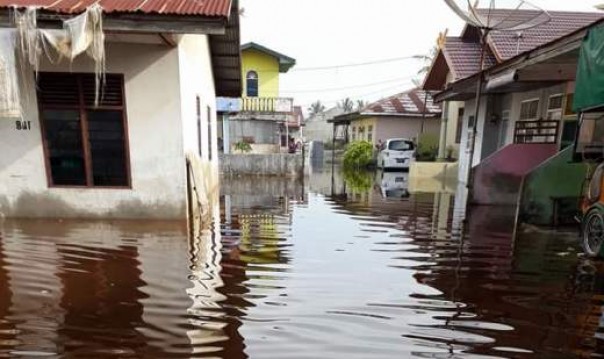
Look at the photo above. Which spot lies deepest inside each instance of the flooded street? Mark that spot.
(332, 267)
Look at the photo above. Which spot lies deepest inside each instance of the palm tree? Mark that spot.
(346, 105)
(316, 108)
(428, 58)
(361, 105)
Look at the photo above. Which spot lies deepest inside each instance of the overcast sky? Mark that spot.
(324, 33)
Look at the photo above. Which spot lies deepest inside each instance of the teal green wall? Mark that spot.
(557, 177)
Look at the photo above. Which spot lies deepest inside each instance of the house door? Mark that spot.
(503, 128)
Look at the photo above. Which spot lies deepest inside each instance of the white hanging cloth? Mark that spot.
(10, 104)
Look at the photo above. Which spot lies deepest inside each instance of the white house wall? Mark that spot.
(197, 79)
(465, 147)
(543, 96)
(488, 133)
(157, 159)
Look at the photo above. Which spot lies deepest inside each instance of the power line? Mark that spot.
(358, 64)
(356, 97)
(349, 87)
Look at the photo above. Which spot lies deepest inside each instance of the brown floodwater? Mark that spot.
(334, 267)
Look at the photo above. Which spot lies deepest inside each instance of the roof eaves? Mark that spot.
(439, 53)
(521, 59)
(285, 62)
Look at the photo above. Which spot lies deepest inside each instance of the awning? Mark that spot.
(589, 91)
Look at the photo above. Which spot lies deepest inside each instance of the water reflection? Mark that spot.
(330, 266)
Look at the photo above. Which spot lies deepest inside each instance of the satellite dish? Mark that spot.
(501, 15)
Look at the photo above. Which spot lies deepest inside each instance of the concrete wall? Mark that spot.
(433, 177)
(157, 159)
(267, 68)
(269, 165)
(544, 188)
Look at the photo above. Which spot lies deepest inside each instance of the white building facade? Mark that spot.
(126, 157)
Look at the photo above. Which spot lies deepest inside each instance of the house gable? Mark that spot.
(267, 69)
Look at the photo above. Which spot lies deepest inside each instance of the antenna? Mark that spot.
(499, 15)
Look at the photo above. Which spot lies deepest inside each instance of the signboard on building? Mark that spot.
(284, 105)
(228, 104)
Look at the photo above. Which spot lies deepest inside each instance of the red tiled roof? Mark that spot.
(210, 8)
(508, 44)
(409, 103)
(462, 53)
(464, 57)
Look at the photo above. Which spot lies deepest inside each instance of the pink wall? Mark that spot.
(404, 127)
(497, 178)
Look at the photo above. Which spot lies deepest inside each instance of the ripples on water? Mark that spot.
(287, 274)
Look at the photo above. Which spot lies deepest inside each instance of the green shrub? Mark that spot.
(427, 147)
(358, 155)
(358, 181)
(243, 147)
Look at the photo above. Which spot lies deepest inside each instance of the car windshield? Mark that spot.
(401, 146)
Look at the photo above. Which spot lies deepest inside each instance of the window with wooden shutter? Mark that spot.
(85, 145)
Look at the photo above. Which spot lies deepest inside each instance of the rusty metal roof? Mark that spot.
(408, 103)
(208, 8)
(413, 103)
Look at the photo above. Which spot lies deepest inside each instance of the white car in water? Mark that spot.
(397, 153)
(393, 184)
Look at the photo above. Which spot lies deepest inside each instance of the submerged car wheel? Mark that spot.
(593, 233)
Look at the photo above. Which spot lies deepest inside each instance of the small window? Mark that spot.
(400, 145)
(370, 133)
(252, 84)
(354, 133)
(459, 129)
(529, 110)
(554, 107)
(85, 145)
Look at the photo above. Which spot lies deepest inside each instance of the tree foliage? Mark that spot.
(347, 105)
(316, 108)
(358, 155)
(361, 105)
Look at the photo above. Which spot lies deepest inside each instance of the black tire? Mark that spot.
(592, 233)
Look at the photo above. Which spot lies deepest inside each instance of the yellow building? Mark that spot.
(261, 68)
(261, 116)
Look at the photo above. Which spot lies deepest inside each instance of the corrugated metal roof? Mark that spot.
(508, 44)
(209, 8)
(408, 103)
